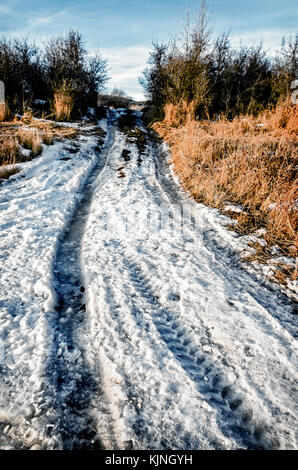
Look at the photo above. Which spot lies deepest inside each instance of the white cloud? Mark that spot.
(271, 39)
(126, 66)
(8, 7)
(37, 21)
(32, 24)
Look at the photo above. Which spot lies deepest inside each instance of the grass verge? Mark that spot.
(250, 162)
(27, 134)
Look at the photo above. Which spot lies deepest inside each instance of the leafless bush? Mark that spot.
(33, 76)
(214, 77)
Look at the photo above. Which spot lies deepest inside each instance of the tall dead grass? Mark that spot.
(27, 133)
(63, 102)
(249, 161)
(2, 111)
(30, 140)
(9, 154)
(9, 151)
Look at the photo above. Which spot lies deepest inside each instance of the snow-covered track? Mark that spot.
(36, 209)
(71, 376)
(194, 351)
(153, 336)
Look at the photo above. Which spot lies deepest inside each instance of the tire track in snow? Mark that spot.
(208, 376)
(225, 257)
(72, 378)
(122, 326)
(273, 307)
(236, 421)
(131, 321)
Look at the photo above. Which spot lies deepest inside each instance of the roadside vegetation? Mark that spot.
(232, 128)
(250, 162)
(117, 98)
(60, 81)
(209, 78)
(22, 139)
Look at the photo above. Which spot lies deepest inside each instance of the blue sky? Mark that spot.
(124, 29)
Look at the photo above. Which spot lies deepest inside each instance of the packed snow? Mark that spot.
(183, 348)
(35, 207)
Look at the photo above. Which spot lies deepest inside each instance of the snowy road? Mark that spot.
(126, 321)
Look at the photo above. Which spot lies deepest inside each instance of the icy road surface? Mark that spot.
(125, 319)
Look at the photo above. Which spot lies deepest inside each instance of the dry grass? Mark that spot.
(9, 154)
(250, 161)
(63, 106)
(63, 102)
(51, 131)
(47, 136)
(30, 140)
(6, 173)
(9, 151)
(28, 133)
(2, 112)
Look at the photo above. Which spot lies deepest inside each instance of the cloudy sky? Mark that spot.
(124, 29)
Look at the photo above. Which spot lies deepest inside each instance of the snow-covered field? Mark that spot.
(120, 293)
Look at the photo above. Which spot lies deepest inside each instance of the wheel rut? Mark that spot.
(208, 375)
(72, 379)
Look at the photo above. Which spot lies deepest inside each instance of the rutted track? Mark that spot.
(72, 377)
(199, 366)
(159, 339)
(162, 296)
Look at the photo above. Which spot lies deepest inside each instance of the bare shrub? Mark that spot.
(32, 76)
(73, 76)
(216, 78)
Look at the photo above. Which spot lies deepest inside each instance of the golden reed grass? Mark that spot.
(249, 161)
(9, 151)
(63, 106)
(2, 111)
